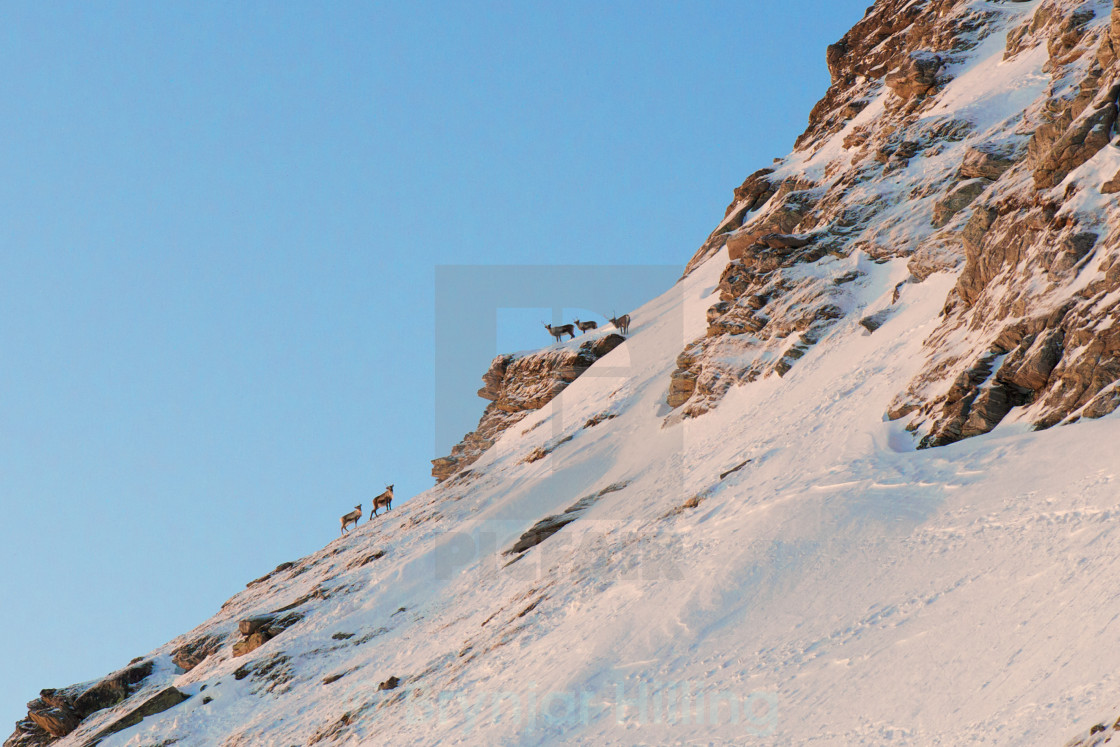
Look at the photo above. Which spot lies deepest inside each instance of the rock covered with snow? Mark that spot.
(965, 136)
(519, 384)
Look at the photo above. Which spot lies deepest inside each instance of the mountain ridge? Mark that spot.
(813, 498)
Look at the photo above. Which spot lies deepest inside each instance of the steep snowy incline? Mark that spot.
(723, 531)
(843, 587)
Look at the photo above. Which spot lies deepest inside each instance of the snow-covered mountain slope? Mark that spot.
(722, 530)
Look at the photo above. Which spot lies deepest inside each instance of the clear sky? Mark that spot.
(220, 228)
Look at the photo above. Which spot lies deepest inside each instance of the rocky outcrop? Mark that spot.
(958, 199)
(916, 76)
(1081, 139)
(59, 712)
(767, 313)
(194, 652)
(550, 525)
(988, 161)
(260, 629)
(166, 698)
(1028, 328)
(519, 385)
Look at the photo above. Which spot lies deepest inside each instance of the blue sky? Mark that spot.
(220, 227)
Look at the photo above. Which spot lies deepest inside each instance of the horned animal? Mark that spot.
(560, 331)
(584, 326)
(385, 499)
(622, 323)
(352, 517)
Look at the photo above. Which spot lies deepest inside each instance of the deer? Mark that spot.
(385, 499)
(560, 331)
(622, 323)
(585, 326)
(352, 517)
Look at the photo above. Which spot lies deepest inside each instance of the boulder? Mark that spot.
(872, 322)
(251, 625)
(58, 722)
(252, 642)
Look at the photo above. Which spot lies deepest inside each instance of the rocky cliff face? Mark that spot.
(517, 385)
(965, 136)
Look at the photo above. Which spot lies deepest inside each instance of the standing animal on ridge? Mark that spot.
(622, 323)
(352, 517)
(560, 331)
(385, 499)
(584, 326)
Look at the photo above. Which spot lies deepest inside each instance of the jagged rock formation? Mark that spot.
(905, 158)
(517, 385)
(58, 712)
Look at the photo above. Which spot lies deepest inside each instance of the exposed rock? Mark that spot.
(987, 162)
(682, 384)
(784, 241)
(750, 196)
(28, 734)
(754, 191)
(167, 698)
(252, 642)
(260, 629)
(112, 689)
(834, 57)
(390, 684)
(269, 673)
(1030, 365)
(916, 76)
(987, 410)
(1103, 404)
(550, 525)
(1080, 142)
(957, 200)
(872, 322)
(1071, 250)
(58, 712)
(251, 625)
(57, 722)
(517, 386)
(1109, 51)
(279, 569)
(1112, 186)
